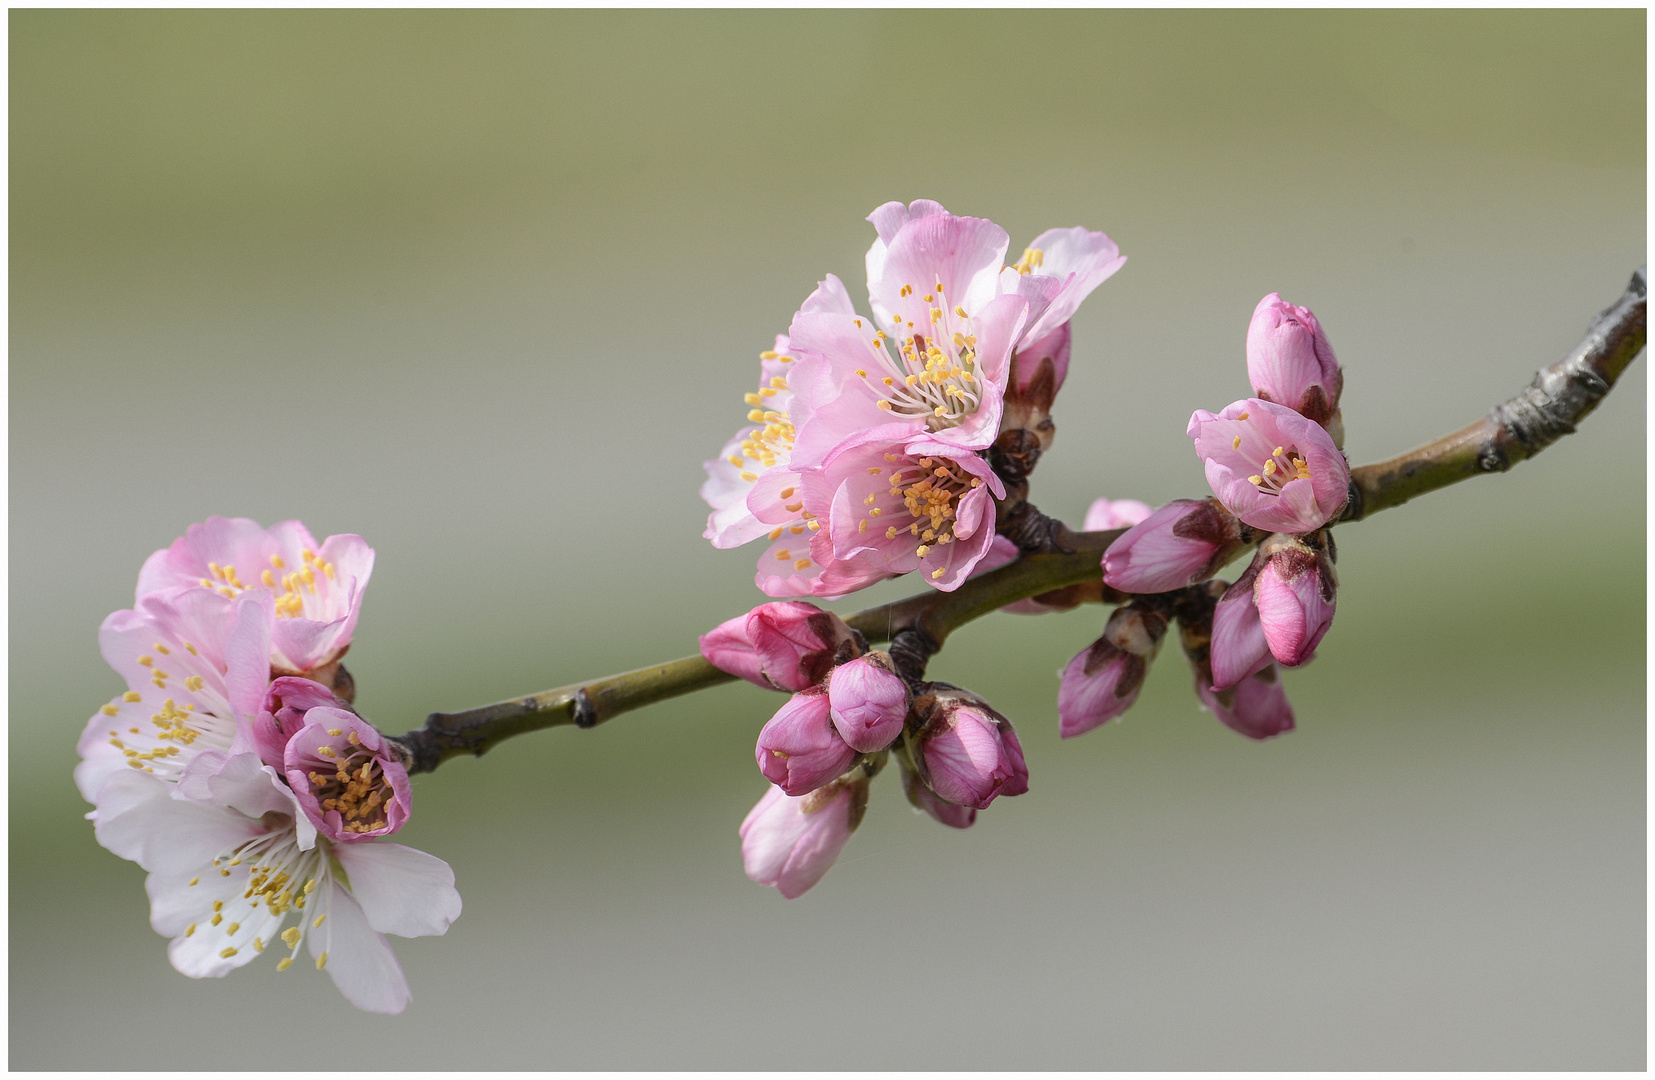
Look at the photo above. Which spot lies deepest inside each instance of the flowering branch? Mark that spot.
(1558, 399)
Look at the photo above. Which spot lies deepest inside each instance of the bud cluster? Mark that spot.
(1279, 481)
(850, 710)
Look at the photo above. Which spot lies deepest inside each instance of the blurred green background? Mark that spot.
(487, 288)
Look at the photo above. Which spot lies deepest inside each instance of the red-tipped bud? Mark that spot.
(787, 645)
(966, 753)
(799, 750)
(869, 702)
(1184, 542)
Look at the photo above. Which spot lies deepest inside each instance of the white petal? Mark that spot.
(402, 891)
(163, 834)
(360, 961)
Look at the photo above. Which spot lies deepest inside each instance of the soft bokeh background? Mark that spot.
(487, 288)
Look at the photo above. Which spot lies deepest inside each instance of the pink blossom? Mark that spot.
(765, 444)
(1103, 681)
(347, 779)
(1184, 542)
(1290, 361)
(789, 842)
(1058, 270)
(1271, 467)
(800, 749)
(892, 506)
(195, 665)
(966, 752)
(1255, 707)
(1295, 595)
(780, 646)
(869, 702)
(932, 285)
(317, 587)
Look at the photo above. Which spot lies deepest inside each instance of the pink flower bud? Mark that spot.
(799, 750)
(789, 842)
(1271, 467)
(1239, 646)
(1255, 707)
(1106, 514)
(1103, 681)
(1290, 361)
(966, 752)
(1295, 595)
(787, 645)
(1185, 541)
(286, 701)
(923, 799)
(869, 701)
(349, 782)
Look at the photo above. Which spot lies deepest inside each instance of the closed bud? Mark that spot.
(788, 842)
(1184, 542)
(1290, 362)
(799, 750)
(925, 800)
(966, 753)
(1238, 645)
(1103, 681)
(1295, 594)
(787, 645)
(1256, 706)
(869, 702)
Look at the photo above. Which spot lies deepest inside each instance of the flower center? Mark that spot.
(282, 878)
(1281, 467)
(291, 603)
(930, 490)
(772, 443)
(357, 787)
(935, 375)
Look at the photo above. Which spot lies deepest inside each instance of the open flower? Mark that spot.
(195, 666)
(347, 780)
(225, 875)
(317, 587)
(1271, 467)
(1058, 270)
(935, 356)
(896, 505)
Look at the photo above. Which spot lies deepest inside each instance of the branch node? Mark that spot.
(585, 713)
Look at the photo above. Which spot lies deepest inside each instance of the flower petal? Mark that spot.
(401, 890)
